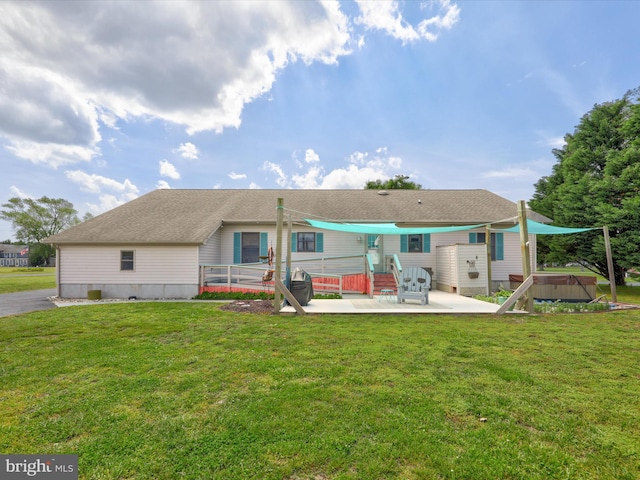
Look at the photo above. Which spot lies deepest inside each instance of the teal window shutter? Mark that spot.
(237, 247)
(264, 244)
(499, 246)
(426, 243)
(319, 242)
(294, 242)
(404, 243)
(473, 237)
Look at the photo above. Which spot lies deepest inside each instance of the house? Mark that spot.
(175, 243)
(14, 255)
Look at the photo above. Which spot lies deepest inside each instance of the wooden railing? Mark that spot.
(395, 268)
(329, 275)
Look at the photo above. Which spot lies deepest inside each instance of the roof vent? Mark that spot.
(383, 192)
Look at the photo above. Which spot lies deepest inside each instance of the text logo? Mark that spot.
(46, 467)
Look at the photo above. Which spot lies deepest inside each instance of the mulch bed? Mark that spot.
(261, 307)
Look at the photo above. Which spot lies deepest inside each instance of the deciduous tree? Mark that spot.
(399, 182)
(34, 220)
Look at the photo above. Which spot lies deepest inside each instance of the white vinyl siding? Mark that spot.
(153, 265)
(342, 243)
(455, 263)
(334, 244)
(210, 251)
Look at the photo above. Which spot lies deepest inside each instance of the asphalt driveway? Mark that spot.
(23, 302)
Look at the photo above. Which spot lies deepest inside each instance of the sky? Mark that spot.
(102, 102)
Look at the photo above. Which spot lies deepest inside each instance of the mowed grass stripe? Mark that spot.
(162, 390)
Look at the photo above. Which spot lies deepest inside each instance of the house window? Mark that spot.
(415, 243)
(307, 242)
(126, 260)
(250, 247)
(497, 243)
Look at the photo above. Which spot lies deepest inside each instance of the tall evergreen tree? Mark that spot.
(596, 182)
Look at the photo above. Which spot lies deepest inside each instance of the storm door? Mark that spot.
(375, 251)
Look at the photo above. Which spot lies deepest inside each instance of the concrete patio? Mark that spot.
(439, 302)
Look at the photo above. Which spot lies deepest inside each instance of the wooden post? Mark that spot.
(289, 235)
(278, 282)
(289, 296)
(524, 247)
(520, 291)
(612, 275)
(488, 237)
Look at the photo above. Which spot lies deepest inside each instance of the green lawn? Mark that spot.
(22, 280)
(573, 271)
(175, 390)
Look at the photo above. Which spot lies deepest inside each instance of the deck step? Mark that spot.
(384, 281)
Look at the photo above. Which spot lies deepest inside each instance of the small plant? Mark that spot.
(503, 293)
(486, 298)
(254, 296)
(234, 296)
(327, 296)
(568, 307)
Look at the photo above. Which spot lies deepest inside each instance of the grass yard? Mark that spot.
(573, 271)
(22, 280)
(175, 390)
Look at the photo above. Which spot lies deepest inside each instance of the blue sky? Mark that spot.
(102, 102)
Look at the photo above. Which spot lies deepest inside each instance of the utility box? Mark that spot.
(462, 269)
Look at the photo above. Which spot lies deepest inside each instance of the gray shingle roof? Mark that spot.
(191, 216)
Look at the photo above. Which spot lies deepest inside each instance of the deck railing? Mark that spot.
(329, 275)
(395, 267)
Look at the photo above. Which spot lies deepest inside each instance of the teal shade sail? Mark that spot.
(385, 228)
(533, 227)
(537, 228)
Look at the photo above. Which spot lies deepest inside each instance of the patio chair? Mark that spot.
(414, 285)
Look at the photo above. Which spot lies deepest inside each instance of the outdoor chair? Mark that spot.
(414, 285)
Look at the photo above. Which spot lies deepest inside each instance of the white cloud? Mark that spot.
(277, 169)
(237, 176)
(254, 186)
(97, 184)
(361, 170)
(107, 202)
(67, 66)
(163, 184)
(167, 169)
(311, 179)
(188, 150)
(386, 16)
(68, 69)
(556, 142)
(310, 156)
(358, 158)
(52, 154)
(351, 177)
(16, 192)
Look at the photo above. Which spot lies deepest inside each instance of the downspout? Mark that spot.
(57, 271)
